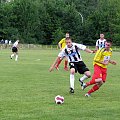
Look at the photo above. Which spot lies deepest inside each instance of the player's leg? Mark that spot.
(93, 89)
(12, 55)
(104, 74)
(96, 79)
(86, 75)
(97, 76)
(82, 69)
(58, 63)
(16, 56)
(66, 64)
(72, 79)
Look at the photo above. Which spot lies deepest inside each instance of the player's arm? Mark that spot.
(89, 51)
(60, 44)
(112, 62)
(108, 61)
(53, 65)
(97, 46)
(102, 62)
(83, 47)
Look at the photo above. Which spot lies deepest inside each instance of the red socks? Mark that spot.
(66, 62)
(58, 63)
(91, 82)
(94, 88)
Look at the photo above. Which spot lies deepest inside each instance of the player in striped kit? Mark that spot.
(15, 50)
(72, 52)
(100, 43)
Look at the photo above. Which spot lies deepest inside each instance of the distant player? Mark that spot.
(72, 52)
(15, 50)
(100, 62)
(100, 43)
(62, 45)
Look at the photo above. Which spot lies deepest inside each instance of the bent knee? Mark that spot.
(98, 80)
(100, 83)
(88, 74)
(72, 71)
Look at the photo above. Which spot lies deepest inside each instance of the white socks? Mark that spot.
(12, 55)
(83, 78)
(16, 57)
(72, 80)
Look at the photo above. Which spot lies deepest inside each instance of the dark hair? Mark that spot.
(67, 32)
(109, 40)
(68, 38)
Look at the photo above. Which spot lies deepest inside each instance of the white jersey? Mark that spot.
(72, 53)
(100, 43)
(6, 41)
(15, 44)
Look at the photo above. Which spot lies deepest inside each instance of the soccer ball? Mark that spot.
(59, 99)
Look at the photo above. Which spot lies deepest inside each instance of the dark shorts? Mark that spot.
(80, 67)
(14, 49)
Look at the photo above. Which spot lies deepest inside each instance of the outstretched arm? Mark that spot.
(89, 51)
(96, 48)
(53, 65)
(107, 62)
(59, 45)
(102, 62)
(112, 62)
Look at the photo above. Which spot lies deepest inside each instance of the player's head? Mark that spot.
(67, 35)
(108, 43)
(102, 36)
(18, 41)
(68, 42)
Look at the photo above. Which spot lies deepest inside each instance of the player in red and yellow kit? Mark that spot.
(100, 62)
(62, 45)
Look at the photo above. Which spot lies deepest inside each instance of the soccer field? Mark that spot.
(27, 89)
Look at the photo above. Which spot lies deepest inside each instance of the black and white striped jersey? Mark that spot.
(100, 43)
(72, 53)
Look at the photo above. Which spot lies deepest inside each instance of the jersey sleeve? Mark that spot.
(80, 46)
(61, 41)
(97, 43)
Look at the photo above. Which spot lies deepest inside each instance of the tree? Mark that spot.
(47, 21)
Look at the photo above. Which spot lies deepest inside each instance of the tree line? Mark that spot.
(47, 21)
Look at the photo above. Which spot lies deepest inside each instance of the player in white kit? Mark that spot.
(15, 50)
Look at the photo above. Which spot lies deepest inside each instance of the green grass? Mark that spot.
(27, 89)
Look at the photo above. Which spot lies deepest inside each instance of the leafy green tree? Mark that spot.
(47, 21)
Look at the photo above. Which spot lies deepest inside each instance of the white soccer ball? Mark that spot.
(59, 99)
